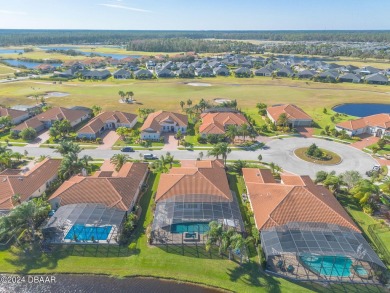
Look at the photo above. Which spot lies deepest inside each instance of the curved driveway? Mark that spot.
(279, 151)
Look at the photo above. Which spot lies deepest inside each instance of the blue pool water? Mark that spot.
(190, 227)
(28, 64)
(85, 233)
(360, 270)
(329, 265)
(362, 110)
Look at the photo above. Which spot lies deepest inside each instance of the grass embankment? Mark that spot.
(335, 158)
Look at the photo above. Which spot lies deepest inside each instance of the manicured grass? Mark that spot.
(6, 71)
(385, 150)
(301, 153)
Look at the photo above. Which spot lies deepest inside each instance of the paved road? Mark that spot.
(279, 151)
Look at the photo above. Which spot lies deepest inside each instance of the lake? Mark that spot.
(101, 284)
(112, 55)
(11, 51)
(28, 64)
(362, 110)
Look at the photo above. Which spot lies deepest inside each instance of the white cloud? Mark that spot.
(12, 12)
(117, 6)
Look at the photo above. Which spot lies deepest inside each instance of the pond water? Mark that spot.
(28, 64)
(112, 55)
(362, 110)
(103, 284)
(11, 51)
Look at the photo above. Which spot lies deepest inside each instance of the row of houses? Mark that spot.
(213, 121)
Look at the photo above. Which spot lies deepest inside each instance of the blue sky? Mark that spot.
(195, 14)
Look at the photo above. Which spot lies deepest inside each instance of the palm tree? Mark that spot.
(169, 159)
(260, 157)
(231, 132)
(239, 243)
(214, 236)
(201, 155)
(189, 102)
(85, 161)
(244, 130)
(67, 146)
(70, 165)
(119, 160)
(182, 103)
(220, 149)
(364, 190)
(131, 94)
(122, 94)
(17, 156)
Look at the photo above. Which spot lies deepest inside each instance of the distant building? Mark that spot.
(376, 125)
(295, 115)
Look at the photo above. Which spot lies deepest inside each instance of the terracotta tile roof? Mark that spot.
(59, 113)
(297, 200)
(206, 179)
(292, 111)
(378, 120)
(154, 119)
(32, 122)
(117, 190)
(215, 123)
(98, 122)
(11, 112)
(25, 185)
(253, 175)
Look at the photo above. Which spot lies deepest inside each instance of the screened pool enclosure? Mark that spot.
(186, 218)
(319, 251)
(84, 223)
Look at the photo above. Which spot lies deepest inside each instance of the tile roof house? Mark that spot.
(350, 77)
(376, 125)
(143, 74)
(106, 121)
(376, 78)
(16, 116)
(196, 192)
(295, 115)
(217, 122)
(122, 74)
(263, 72)
(46, 119)
(113, 189)
(295, 199)
(32, 183)
(163, 122)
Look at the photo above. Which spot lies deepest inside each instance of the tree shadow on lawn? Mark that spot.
(34, 259)
(250, 274)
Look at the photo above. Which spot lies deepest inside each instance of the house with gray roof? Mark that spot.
(307, 74)
(143, 74)
(222, 71)
(328, 75)
(284, 72)
(165, 73)
(243, 72)
(122, 74)
(263, 72)
(350, 77)
(376, 78)
(204, 72)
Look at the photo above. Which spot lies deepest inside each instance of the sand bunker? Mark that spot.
(221, 101)
(52, 95)
(198, 84)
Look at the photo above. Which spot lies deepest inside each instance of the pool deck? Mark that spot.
(302, 273)
(164, 237)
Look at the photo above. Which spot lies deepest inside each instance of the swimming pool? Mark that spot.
(87, 232)
(199, 227)
(328, 265)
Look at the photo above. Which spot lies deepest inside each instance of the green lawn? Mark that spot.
(385, 150)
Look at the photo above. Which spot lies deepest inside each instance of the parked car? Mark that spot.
(376, 168)
(150, 157)
(127, 150)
